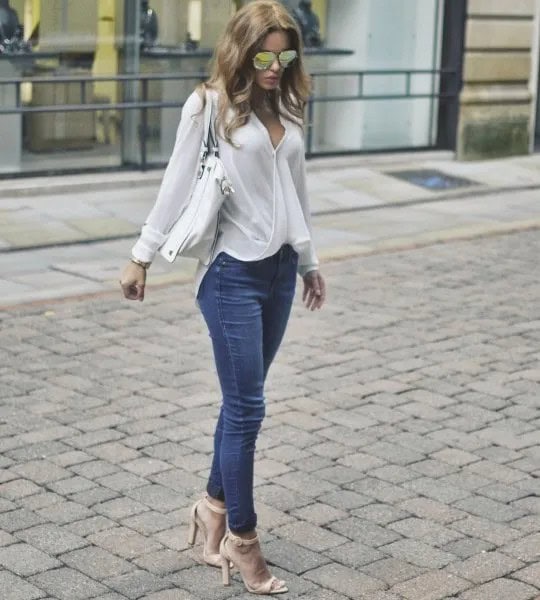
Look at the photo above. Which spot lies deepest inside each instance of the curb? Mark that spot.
(336, 254)
(114, 180)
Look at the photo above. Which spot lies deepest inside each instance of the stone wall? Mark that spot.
(496, 100)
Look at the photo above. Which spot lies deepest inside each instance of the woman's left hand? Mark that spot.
(314, 290)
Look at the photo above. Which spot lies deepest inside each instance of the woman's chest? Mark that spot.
(257, 140)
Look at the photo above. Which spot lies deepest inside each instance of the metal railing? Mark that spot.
(136, 95)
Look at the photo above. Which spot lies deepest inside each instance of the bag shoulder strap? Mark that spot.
(210, 140)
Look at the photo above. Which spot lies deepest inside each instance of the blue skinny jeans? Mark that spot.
(246, 306)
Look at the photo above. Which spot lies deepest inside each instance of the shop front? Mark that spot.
(100, 83)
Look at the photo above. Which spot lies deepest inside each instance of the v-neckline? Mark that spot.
(277, 146)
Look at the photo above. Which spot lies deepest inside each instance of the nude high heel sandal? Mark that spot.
(269, 587)
(196, 523)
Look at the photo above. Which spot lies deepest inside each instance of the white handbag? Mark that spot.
(195, 232)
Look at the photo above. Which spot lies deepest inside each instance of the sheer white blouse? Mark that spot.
(269, 206)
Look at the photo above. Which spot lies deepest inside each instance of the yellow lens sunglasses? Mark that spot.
(263, 61)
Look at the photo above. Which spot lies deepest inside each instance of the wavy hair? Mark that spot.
(233, 72)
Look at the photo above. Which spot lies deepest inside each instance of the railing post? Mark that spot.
(310, 125)
(144, 123)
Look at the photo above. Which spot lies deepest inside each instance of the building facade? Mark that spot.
(100, 83)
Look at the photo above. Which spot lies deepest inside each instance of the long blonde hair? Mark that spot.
(233, 73)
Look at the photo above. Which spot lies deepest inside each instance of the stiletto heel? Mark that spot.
(193, 528)
(269, 587)
(225, 571)
(197, 524)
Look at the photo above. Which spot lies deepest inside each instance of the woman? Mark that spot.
(260, 88)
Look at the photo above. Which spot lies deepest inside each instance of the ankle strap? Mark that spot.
(238, 541)
(213, 507)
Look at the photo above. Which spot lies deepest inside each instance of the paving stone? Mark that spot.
(393, 474)
(7, 505)
(431, 509)
(122, 481)
(67, 584)
(345, 499)
(136, 583)
(92, 469)
(6, 539)
(195, 579)
(171, 594)
(19, 519)
(15, 588)
(367, 531)
(41, 471)
(418, 553)
(65, 512)
(392, 571)
(433, 468)
(174, 538)
(466, 547)
(431, 586)
(124, 542)
(119, 508)
(284, 499)
(318, 513)
(150, 522)
(293, 557)
(485, 567)
(304, 483)
(382, 514)
(145, 466)
(433, 488)
(41, 500)
(335, 474)
(72, 485)
(529, 575)
(312, 537)
(164, 562)
(501, 588)
(90, 525)
(488, 509)
(96, 495)
(495, 533)
(380, 490)
(25, 560)
(455, 457)
(51, 539)
(354, 554)
(158, 497)
(428, 531)
(113, 452)
(526, 549)
(343, 580)
(96, 563)
(502, 492)
(18, 488)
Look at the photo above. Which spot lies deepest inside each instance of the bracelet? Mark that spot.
(144, 265)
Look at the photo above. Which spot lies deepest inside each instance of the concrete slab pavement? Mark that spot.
(70, 235)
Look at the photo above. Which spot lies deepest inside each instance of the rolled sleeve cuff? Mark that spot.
(148, 243)
(305, 269)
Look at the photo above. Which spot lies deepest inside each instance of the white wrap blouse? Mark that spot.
(269, 206)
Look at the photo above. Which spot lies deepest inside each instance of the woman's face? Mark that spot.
(275, 42)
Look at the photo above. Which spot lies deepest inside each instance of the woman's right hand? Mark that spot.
(133, 280)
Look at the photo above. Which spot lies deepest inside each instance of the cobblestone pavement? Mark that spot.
(399, 459)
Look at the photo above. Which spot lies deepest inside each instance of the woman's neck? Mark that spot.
(261, 99)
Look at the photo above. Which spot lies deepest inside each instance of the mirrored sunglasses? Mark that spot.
(262, 61)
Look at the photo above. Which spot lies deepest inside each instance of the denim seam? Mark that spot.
(231, 358)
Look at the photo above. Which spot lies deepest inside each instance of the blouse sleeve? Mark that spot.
(307, 259)
(177, 182)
